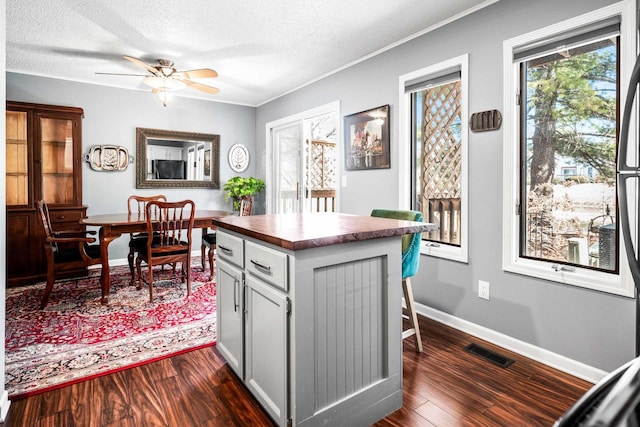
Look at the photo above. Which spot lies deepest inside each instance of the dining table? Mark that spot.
(114, 225)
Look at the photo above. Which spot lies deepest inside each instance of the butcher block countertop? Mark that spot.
(311, 230)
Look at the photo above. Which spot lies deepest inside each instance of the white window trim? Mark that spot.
(619, 284)
(405, 163)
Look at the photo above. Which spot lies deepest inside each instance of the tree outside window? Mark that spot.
(569, 134)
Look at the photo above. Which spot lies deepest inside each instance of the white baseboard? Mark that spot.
(112, 263)
(4, 406)
(562, 363)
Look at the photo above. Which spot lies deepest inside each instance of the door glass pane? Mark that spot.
(569, 148)
(305, 166)
(17, 162)
(287, 143)
(321, 154)
(57, 160)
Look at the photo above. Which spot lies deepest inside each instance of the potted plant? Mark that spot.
(239, 187)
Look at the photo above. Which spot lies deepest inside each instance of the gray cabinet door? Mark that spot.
(230, 315)
(266, 358)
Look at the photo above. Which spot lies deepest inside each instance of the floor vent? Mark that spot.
(489, 355)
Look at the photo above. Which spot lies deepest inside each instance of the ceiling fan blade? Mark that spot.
(136, 61)
(200, 86)
(201, 73)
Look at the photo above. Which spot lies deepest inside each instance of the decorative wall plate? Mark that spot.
(239, 158)
(108, 158)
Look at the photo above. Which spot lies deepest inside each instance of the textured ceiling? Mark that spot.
(261, 49)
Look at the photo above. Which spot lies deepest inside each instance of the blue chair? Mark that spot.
(410, 263)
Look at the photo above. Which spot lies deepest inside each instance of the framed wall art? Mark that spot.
(239, 158)
(366, 136)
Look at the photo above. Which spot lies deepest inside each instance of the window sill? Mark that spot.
(453, 253)
(583, 278)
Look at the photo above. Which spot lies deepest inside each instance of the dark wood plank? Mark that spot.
(146, 403)
(175, 400)
(445, 385)
(111, 394)
(83, 405)
(199, 379)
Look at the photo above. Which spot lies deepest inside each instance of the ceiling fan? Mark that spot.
(165, 78)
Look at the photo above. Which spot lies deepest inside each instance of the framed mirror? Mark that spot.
(171, 159)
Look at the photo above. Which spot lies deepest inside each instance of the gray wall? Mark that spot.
(111, 116)
(592, 327)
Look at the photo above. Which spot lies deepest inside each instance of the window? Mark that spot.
(562, 114)
(432, 107)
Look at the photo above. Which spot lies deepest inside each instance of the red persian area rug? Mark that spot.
(75, 338)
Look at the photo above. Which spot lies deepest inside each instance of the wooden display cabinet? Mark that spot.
(44, 161)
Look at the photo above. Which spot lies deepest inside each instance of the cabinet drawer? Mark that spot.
(66, 219)
(230, 248)
(267, 264)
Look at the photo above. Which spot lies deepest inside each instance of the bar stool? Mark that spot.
(410, 263)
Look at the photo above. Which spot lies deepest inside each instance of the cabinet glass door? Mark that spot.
(57, 160)
(17, 161)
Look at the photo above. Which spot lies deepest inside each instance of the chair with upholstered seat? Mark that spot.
(170, 224)
(136, 206)
(410, 263)
(208, 241)
(209, 238)
(65, 250)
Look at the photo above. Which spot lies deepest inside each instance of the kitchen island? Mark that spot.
(309, 313)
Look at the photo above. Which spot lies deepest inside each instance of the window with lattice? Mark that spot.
(439, 163)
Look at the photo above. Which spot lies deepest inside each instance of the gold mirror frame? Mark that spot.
(143, 135)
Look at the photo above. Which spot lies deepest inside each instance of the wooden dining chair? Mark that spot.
(410, 263)
(208, 242)
(65, 250)
(171, 224)
(136, 205)
(246, 207)
(209, 238)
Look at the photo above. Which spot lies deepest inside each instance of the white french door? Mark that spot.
(291, 161)
(287, 195)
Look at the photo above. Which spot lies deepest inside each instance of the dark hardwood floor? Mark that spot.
(443, 386)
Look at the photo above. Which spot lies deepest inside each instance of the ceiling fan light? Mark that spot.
(154, 82)
(157, 82)
(174, 84)
(165, 94)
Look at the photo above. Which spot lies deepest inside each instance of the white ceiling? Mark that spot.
(261, 49)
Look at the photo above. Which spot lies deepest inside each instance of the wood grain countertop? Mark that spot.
(311, 230)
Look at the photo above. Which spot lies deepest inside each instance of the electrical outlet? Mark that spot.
(483, 289)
